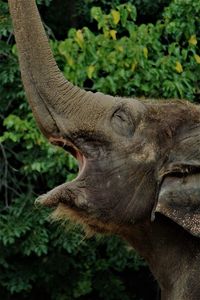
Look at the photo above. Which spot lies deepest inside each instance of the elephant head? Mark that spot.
(136, 157)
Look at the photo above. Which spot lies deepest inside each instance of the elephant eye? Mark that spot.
(122, 123)
(121, 115)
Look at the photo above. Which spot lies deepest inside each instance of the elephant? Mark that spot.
(139, 161)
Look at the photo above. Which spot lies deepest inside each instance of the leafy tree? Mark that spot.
(77, 13)
(144, 60)
(40, 259)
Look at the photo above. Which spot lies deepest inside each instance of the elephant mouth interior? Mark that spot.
(72, 149)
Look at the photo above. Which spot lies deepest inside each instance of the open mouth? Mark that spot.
(72, 149)
(65, 193)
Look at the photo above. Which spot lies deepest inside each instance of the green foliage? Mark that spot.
(77, 13)
(144, 60)
(46, 2)
(5, 25)
(40, 259)
(148, 10)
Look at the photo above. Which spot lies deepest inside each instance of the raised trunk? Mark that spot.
(48, 92)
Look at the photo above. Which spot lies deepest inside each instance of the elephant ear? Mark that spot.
(179, 194)
(179, 200)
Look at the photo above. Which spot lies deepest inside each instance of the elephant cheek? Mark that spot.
(140, 201)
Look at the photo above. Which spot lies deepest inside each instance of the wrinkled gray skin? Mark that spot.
(139, 161)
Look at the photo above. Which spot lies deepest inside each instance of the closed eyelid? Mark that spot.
(120, 108)
(120, 113)
(122, 122)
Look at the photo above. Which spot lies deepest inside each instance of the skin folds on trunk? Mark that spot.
(49, 93)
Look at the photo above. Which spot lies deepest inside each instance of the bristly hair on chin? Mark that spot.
(71, 220)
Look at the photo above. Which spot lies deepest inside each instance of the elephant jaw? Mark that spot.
(69, 200)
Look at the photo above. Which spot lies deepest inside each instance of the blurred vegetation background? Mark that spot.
(140, 48)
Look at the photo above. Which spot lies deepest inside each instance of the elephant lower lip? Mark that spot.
(52, 198)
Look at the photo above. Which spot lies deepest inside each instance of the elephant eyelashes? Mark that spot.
(122, 123)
